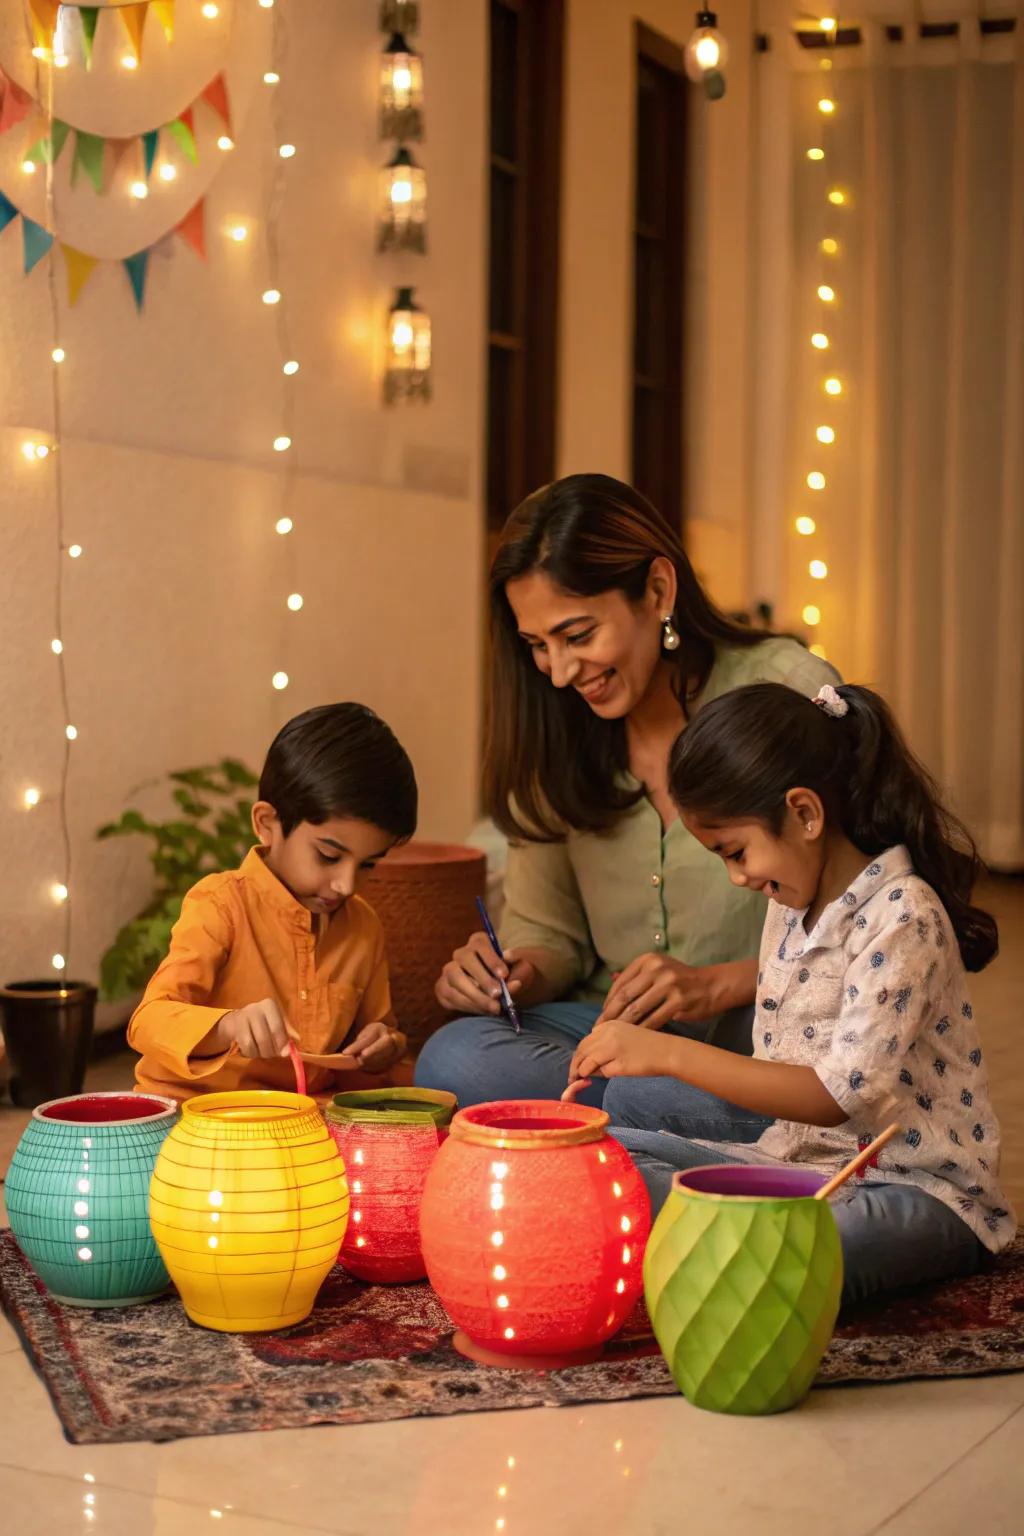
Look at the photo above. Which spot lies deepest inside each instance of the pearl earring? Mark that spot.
(670, 635)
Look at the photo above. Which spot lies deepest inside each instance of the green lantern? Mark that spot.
(742, 1275)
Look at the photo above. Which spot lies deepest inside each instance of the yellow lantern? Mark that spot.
(403, 214)
(407, 374)
(248, 1208)
(401, 91)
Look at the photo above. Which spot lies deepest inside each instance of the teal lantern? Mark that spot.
(78, 1196)
(742, 1275)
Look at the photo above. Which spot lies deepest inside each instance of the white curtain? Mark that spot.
(921, 520)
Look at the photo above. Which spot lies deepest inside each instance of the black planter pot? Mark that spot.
(48, 1033)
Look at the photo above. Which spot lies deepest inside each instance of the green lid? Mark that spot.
(392, 1106)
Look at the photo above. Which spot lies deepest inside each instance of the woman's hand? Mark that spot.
(469, 982)
(653, 990)
(258, 1029)
(376, 1047)
(617, 1049)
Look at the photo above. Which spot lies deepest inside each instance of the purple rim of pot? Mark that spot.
(749, 1181)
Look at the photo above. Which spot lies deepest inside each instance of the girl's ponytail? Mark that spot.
(747, 749)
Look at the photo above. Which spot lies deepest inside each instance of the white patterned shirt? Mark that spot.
(875, 1000)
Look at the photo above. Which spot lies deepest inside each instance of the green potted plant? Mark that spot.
(212, 831)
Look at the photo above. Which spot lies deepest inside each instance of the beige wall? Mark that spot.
(175, 613)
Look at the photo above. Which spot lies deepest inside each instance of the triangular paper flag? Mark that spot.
(216, 96)
(188, 119)
(7, 211)
(163, 248)
(183, 133)
(79, 268)
(14, 103)
(135, 266)
(192, 229)
(89, 155)
(37, 242)
(58, 136)
(89, 15)
(149, 144)
(116, 151)
(44, 21)
(165, 15)
(134, 18)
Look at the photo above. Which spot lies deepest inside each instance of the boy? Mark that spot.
(282, 948)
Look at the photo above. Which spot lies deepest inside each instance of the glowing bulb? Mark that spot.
(224, 142)
(286, 151)
(816, 154)
(837, 197)
(139, 190)
(806, 526)
(295, 602)
(830, 246)
(280, 680)
(401, 191)
(28, 451)
(816, 480)
(211, 11)
(129, 61)
(29, 167)
(282, 444)
(502, 1492)
(819, 650)
(168, 172)
(828, 23)
(56, 646)
(283, 525)
(32, 798)
(42, 452)
(819, 340)
(707, 53)
(58, 964)
(401, 335)
(271, 77)
(71, 732)
(290, 367)
(811, 614)
(818, 569)
(825, 293)
(74, 551)
(272, 296)
(825, 434)
(58, 354)
(833, 386)
(267, 4)
(59, 892)
(39, 53)
(826, 106)
(401, 79)
(238, 232)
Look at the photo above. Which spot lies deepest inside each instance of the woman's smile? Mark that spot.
(596, 689)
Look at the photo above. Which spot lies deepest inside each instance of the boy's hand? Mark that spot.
(376, 1047)
(258, 1029)
(617, 1049)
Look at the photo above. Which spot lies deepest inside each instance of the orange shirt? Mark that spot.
(241, 937)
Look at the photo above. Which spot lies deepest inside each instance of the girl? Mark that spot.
(603, 645)
(862, 1014)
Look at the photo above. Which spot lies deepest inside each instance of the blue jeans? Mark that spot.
(892, 1235)
(480, 1059)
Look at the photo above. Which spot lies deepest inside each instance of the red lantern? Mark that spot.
(533, 1225)
(388, 1138)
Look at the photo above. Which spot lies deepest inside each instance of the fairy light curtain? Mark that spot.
(902, 559)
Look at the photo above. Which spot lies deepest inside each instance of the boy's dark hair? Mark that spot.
(747, 749)
(340, 760)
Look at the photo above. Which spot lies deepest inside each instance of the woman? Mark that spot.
(604, 645)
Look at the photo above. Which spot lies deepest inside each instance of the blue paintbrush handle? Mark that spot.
(506, 996)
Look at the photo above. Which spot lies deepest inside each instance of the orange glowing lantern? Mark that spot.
(533, 1226)
(388, 1138)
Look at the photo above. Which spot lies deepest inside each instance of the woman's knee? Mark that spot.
(443, 1061)
(627, 1100)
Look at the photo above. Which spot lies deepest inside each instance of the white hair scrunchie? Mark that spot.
(832, 702)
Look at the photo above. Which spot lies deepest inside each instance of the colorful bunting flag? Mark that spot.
(136, 266)
(149, 144)
(181, 130)
(79, 269)
(7, 211)
(216, 96)
(89, 149)
(36, 240)
(192, 229)
(134, 18)
(89, 16)
(44, 21)
(14, 103)
(165, 15)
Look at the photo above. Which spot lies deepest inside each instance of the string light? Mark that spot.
(828, 23)
(238, 232)
(272, 296)
(295, 602)
(29, 167)
(816, 480)
(811, 614)
(830, 246)
(280, 680)
(287, 151)
(818, 570)
(129, 61)
(833, 386)
(819, 650)
(271, 77)
(283, 525)
(211, 11)
(282, 444)
(57, 647)
(816, 153)
(225, 142)
(825, 293)
(806, 526)
(59, 892)
(74, 551)
(290, 368)
(826, 106)
(59, 962)
(32, 798)
(71, 732)
(819, 340)
(167, 172)
(139, 190)
(825, 434)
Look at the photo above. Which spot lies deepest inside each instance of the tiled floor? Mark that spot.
(924, 1459)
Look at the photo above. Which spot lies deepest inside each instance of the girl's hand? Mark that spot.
(617, 1049)
(376, 1047)
(468, 983)
(258, 1029)
(654, 989)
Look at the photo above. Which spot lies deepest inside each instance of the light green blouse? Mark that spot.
(599, 900)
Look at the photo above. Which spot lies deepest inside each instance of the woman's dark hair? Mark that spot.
(340, 760)
(550, 762)
(747, 749)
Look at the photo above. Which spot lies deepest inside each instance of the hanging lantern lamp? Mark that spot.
(401, 91)
(403, 212)
(407, 369)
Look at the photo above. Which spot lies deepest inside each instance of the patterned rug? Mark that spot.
(385, 1352)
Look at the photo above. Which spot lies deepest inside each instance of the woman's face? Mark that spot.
(605, 647)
